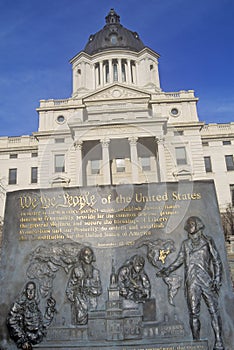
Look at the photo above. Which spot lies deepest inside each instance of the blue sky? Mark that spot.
(195, 39)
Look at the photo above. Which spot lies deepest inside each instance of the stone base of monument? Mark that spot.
(184, 345)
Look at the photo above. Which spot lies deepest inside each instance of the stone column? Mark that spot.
(97, 75)
(78, 146)
(83, 74)
(101, 74)
(106, 161)
(111, 78)
(128, 72)
(134, 158)
(119, 70)
(161, 159)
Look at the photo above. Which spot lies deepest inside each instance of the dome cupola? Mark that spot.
(113, 36)
(114, 55)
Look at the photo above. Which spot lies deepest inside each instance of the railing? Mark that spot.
(175, 95)
(218, 128)
(24, 140)
(54, 103)
(61, 102)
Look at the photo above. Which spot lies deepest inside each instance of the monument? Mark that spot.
(115, 267)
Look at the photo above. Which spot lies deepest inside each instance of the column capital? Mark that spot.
(105, 142)
(78, 144)
(132, 140)
(160, 140)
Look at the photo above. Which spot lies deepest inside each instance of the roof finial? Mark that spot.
(112, 17)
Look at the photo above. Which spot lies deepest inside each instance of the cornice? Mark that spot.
(113, 51)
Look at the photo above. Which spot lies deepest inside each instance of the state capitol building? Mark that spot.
(118, 127)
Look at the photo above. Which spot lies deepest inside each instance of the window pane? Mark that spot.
(34, 175)
(229, 162)
(107, 72)
(59, 140)
(123, 69)
(13, 155)
(115, 72)
(145, 163)
(178, 132)
(95, 166)
(120, 165)
(132, 67)
(113, 39)
(180, 155)
(208, 166)
(12, 176)
(232, 194)
(59, 163)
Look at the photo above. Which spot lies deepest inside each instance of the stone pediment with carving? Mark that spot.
(116, 92)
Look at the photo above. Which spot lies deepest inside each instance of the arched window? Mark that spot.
(113, 39)
(123, 70)
(107, 71)
(97, 73)
(133, 71)
(115, 70)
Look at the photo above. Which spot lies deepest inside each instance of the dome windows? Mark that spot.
(113, 39)
(115, 70)
(123, 70)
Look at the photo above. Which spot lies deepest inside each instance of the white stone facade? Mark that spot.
(118, 126)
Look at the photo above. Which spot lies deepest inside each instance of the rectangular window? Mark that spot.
(145, 163)
(205, 143)
(59, 163)
(227, 142)
(178, 132)
(34, 154)
(232, 194)
(208, 165)
(120, 165)
(59, 140)
(229, 162)
(181, 158)
(12, 176)
(34, 175)
(95, 166)
(13, 155)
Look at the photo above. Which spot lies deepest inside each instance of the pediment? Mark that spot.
(116, 92)
(61, 181)
(183, 174)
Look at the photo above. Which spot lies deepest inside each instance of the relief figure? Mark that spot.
(133, 281)
(84, 286)
(25, 321)
(203, 272)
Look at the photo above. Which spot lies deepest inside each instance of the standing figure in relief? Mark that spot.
(203, 270)
(133, 281)
(84, 286)
(25, 321)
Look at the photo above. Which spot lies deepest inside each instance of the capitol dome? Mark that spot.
(113, 36)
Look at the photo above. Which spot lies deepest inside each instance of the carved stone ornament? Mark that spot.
(116, 92)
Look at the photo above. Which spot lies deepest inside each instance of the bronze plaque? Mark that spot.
(115, 267)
